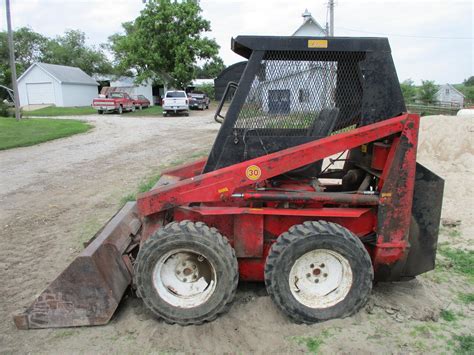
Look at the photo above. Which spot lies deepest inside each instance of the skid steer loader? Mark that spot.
(261, 207)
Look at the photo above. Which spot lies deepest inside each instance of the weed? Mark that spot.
(313, 343)
(148, 183)
(462, 261)
(64, 333)
(466, 298)
(465, 344)
(447, 315)
(424, 329)
(454, 233)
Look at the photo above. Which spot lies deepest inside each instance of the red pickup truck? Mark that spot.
(114, 102)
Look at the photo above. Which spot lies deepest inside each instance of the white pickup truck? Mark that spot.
(175, 102)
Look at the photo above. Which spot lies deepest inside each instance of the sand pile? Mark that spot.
(446, 147)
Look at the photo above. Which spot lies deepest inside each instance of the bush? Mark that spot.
(207, 89)
(4, 110)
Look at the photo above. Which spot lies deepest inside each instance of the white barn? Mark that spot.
(449, 95)
(309, 27)
(283, 88)
(128, 85)
(58, 85)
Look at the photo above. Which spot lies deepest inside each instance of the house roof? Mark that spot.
(63, 74)
(309, 21)
(442, 87)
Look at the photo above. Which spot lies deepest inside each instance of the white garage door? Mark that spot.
(40, 93)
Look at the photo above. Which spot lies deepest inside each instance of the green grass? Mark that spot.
(313, 343)
(464, 344)
(150, 181)
(29, 132)
(466, 298)
(461, 261)
(52, 111)
(150, 111)
(447, 315)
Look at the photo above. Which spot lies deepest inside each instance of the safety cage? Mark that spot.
(298, 89)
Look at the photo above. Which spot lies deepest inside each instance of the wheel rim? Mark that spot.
(320, 278)
(184, 278)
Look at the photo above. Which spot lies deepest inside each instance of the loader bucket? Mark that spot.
(426, 215)
(89, 290)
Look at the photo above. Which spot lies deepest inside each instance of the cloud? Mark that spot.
(442, 60)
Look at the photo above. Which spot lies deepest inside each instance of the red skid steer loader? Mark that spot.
(262, 208)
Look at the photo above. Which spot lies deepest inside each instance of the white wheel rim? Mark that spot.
(320, 278)
(184, 279)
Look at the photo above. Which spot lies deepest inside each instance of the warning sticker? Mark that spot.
(253, 172)
(317, 43)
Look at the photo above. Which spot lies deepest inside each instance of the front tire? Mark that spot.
(100, 112)
(120, 110)
(187, 273)
(318, 271)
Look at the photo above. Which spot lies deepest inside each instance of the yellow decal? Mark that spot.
(386, 194)
(363, 148)
(224, 189)
(253, 172)
(317, 43)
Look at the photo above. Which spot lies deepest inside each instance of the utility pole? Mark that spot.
(331, 17)
(12, 61)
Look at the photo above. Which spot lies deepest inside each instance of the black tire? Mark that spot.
(301, 239)
(186, 114)
(165, 114)
(120, 110)
(202, 240)
(100, 112)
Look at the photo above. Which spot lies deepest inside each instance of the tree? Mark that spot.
(164, 42)
(210, 69)
(408, 90)
(469, 81)
(29, 46)
(428, 90)
(71, 49)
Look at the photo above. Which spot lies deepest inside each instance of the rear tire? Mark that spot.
(186, 114)
(318, 271)
(187, 273)
(100, 112)
(120, 110)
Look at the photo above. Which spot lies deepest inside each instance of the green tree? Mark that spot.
(428, 91)
(469, 81)
(210, 69)
(71, 49)
(164, 42)
(408, 90)
(29, 46)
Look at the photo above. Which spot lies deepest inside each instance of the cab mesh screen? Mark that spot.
(292, 88)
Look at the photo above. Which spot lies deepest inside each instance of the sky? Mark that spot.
(430, 40)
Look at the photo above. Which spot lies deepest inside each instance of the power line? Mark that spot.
(401, 35)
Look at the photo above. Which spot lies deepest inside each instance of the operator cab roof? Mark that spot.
(244, 45)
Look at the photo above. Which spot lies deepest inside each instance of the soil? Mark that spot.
(56, 195)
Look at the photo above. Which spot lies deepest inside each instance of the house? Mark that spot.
(58, 85)
(449, 95)
(285, 87)
(274, 91)
(310, 27)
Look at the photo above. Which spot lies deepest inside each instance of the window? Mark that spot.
(303, 95)
(175, 94)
